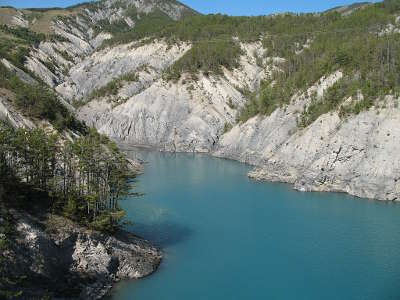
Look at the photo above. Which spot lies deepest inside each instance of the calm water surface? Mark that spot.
(227, 237)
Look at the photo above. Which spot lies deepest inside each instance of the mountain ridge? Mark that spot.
(347, 9)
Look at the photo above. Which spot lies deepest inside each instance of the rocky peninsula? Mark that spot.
(50, 255)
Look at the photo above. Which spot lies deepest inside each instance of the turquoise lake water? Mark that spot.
(227, 237)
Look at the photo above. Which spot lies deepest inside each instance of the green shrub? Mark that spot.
(227, 127)
(112, 87)
(206, 56)
(38, 101)
(25, 34)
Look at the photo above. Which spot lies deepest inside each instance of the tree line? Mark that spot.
(37, 101)
(357, 44)
(82, 179)
(313, 45)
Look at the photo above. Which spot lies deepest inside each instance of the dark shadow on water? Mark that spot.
(162, 234)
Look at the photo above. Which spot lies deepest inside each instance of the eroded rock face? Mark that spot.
(193, 114)
(357, 155)
(77, 33)
(18, 72)
(188, 115)
(260, 136)
(111, 8)
(103, 66)
(64, 260)
(10, 114)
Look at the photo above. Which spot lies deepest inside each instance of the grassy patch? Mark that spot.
(44, 18)
(6, 14)
(112, 88)
(207, 57)
(227, 127)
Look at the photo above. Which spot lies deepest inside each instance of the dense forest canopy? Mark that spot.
(82, 179)
(43, 173)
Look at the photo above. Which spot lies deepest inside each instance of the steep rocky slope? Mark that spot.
(47, 256)
(356, 154)
(55, 258)
(188, 115)
(332, 154)
(77, 31)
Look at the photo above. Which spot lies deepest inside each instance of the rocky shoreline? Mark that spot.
(357, 156)
(303, 178)
(57, 258)
(334, 153)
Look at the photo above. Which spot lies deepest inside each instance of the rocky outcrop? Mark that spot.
(188, 115)
(263, 135)
(193, 113)
(197, 112)
(10, 114)
(18, 72)
(357, 155)
(77, 32)
(111, 9)
(63, 260)
(148, 61)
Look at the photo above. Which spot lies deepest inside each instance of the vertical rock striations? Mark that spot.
(62, 260)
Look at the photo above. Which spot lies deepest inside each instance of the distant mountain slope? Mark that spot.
(62, 37)
(97, 13)
(348, 9)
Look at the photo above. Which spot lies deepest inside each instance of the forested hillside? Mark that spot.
(361, 41)
(363, 44)
(80, 174)
(50, 162)
(156, 73)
